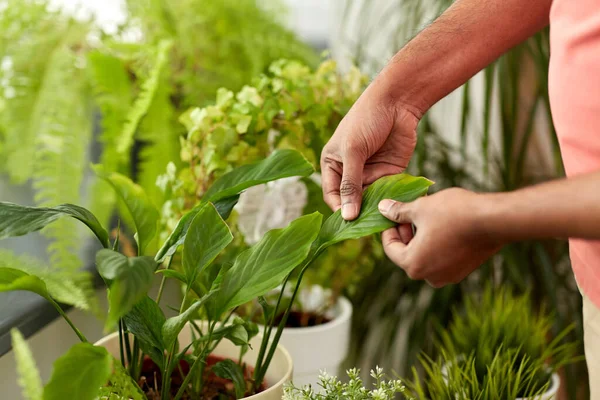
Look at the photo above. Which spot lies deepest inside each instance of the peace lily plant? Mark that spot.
(87, 371)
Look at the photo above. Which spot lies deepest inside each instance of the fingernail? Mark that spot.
(348, 211)
(385, 205)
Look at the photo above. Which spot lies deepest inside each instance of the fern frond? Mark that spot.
(63, 130)
(29, 35)
(144, 100)
(29, 376)
(121, 386)
(75, 288)
(112, 94)
(158, 135)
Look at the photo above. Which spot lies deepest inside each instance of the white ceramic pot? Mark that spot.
(280, 370)
(322, 347)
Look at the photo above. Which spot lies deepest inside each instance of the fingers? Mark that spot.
(406, 233)
(330, 180)
(396, 211)
(393, 246)
(351, 187)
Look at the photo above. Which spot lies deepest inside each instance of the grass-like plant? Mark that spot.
(217, 289)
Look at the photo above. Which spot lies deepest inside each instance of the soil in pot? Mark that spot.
(300, 319)
(214, 387)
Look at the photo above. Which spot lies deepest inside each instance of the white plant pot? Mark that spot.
(279, 373)
(321, 347)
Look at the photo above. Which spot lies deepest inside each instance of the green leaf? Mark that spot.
(171, 273)
(145, 321)
(174, 325)
(225, 206)
(262, 267)
(29, 376)
(228, 369)
(238, 334)
(129, 279)
(280, 164)
(144, 213)
(401, 187)
(13, 279)
(79, 373)
(17, 220)
(121, 386)
(207, 236)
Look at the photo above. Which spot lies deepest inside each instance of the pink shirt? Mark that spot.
(574, 86)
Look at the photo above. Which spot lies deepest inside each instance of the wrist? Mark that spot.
(492, 219)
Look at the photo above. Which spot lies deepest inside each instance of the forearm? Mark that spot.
(558, 209)
(462, 41)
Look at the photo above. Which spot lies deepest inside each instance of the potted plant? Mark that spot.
(330, 387)
(498, 328)
(290, 106)
(149, 346)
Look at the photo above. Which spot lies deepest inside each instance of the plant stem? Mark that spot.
(199, 361)
(66, 318)
(130, 360)
(162, 282)
(121, 354)
(166, 383)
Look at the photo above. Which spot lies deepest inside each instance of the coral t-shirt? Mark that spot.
(574, 86)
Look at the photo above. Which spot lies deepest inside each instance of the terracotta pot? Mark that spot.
(279, 373)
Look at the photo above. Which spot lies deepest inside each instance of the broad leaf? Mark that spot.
(262, 267)
(174, 325)
(129, 280)
(280, 164)
(29, 376)
(225, 206)
(228, 369)
(17, 220)
(207, 236)
(13, 279)
(401, 187)
(145, 321)
(144, 213)
(79, 373)
(171, 273)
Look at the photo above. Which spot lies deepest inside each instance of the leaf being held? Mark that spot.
(29, 376)
(401, 187)
(79, 373)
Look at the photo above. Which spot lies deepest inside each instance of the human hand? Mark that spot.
(376, 138)
(449, 242)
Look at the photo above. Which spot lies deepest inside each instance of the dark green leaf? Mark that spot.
(401, 187)
(207, 236)
(177, 237)
(144, 213)
(174, 325)
(130, 280)
(280, 164)
(145, 321)
(171, 273)
(17, 220)
(13, 279)
(225, 206)
(228, 369)
(262, 267)
(238, 335)
(79, 373)
(29, 376)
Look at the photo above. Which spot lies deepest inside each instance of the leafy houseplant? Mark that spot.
(219, 288)
(332, 388)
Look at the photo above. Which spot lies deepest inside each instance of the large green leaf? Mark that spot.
(145, 321)
(17, 220)
(280, 164)
(262, 267)
(13, 279)
(174, 325)
(177, 237)
(207, 236)
(401, 187)
(29, 376)
(79, 373)
(144, 213)
(228, 369)
(129, 278)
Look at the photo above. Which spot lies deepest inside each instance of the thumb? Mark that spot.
(351, 187)
(396, 211)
